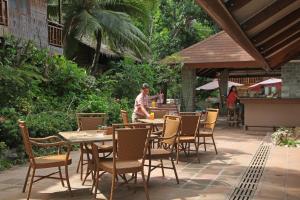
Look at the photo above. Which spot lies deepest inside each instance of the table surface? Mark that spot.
(85, 136)
(152, 121)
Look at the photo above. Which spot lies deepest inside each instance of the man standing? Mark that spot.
(141, 104)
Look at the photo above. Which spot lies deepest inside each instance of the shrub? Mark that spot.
(104, 103)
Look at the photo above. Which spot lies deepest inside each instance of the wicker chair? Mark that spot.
(90, 121)
(130, 146)
(159, 113)
(166, 146)
(207, 128)
(44, 162)
(188, 134)
(124, 116)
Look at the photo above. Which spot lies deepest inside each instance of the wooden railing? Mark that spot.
(247, 80)
(3, 13)
(55, 34)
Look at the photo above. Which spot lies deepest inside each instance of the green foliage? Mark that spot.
(108, 22)
(104, 103)
(177, 25)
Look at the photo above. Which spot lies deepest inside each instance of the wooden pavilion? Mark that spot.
(269, 31)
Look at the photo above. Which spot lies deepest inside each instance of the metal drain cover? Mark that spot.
(247, 186)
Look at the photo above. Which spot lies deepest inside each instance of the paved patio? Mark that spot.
(212, 179)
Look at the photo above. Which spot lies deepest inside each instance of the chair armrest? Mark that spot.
(49, 144)
(44, 139)
(157, 132)
(165, 138)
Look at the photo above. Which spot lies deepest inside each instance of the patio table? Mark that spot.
(89, 136)
(154, 122)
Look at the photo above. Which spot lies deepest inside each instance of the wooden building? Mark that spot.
(27, 19)
(269, 31)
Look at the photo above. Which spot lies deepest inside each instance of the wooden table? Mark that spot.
(152, 121)
(85, 136)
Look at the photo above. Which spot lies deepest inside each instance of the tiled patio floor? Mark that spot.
(212, 179)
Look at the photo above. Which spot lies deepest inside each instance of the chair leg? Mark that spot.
(197, 151)
(79, 162)
(87, 174)
(97, 183)
(26, 179)
(177, 153)
(112, 187)
(149, 171)
(162, 168)
(212, 137)
(145, 185)
(60, 176)
(31, 182)
(67, 179)
(175, 172)
(81, 167)
(204, 143)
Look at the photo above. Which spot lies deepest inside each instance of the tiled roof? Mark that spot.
(219, 48)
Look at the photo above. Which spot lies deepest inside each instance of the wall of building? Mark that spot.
(290, 74)
(27, 19)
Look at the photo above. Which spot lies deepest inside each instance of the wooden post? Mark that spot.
(188, 89)
(223, 86)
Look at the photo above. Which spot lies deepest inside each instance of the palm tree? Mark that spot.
(106, 21)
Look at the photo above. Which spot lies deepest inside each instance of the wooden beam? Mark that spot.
(276, 27)
(280, 37)
(288, 53)
(233, 5)
(266, 13)
(217, 10)
(281, 45)
(218, 65)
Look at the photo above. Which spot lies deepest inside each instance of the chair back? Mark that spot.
(172, 108)
(90, 121)
(190, 113)
(26, 139)
(124, 115)
(171, 129)
(189, 125)
(211, 118)
(159, 113)
(131, 143)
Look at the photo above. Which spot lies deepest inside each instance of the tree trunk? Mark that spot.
(60, 11)
(164, 88)
(97, 52)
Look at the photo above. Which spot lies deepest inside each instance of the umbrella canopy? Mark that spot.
(215, 84)
(270, 81)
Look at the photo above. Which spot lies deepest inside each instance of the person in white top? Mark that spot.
(141, 104)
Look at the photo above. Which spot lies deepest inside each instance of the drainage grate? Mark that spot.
(249, 181)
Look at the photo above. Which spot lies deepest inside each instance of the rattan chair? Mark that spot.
(172, 108)
(90, 121)
(188, 134)
(166, 146)
(159, 113)
(130, 146)
(207, 128)
(45, 162)
(124, 116)
(190, 113)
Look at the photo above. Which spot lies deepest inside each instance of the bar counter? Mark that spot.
(271, 112)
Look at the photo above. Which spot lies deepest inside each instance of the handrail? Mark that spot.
(55, 37)
(3, 13)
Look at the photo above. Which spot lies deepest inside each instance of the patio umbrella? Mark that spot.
(271, 81)
(215, 84)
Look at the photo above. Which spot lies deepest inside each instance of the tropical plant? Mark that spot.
(108, 22)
